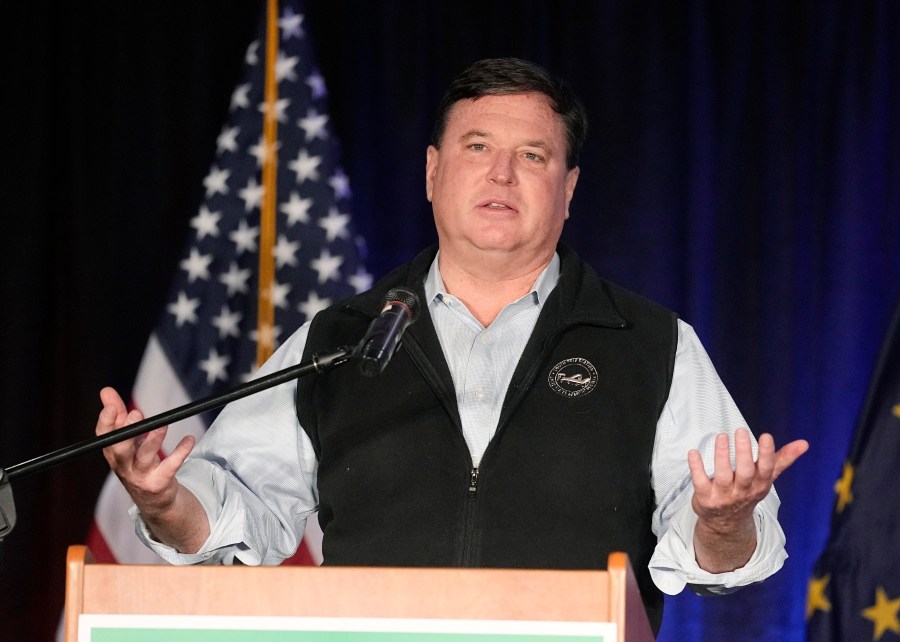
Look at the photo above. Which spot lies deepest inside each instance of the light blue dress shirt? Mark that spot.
(254, 471)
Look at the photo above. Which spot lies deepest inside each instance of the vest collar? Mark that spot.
(583, 296)
(580, 297)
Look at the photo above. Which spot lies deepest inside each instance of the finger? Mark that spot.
(765, 464)
(147, 453)
(113, 417)
(699, 478)
(744, 466)
(133, 417)
(175, 459)
(788, 454)
(110, 397)
(120, 455)
(724, 474)
(106, 421)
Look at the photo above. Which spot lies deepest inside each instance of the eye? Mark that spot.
(533, 156)
(477, 147)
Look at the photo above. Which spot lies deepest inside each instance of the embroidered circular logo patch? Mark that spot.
(573, 377)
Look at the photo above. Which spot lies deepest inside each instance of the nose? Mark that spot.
(502, 170)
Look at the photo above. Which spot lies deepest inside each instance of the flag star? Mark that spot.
(215, 366)
(816, 600)
(184, 309)
(291, 24)
(266, 336)
(261, 150)
(313, 305)
(285, 67)
(316, 85)
(252, 55)
(306, 167)
(361, 281)
(313, 125)
(297, 209)
(883, 614)
(247, 376)
(197, 265)
(335, 225)
(216, 182)
(228, 323)
(281, 106)
(227, 140)
(844, 487)
(244, 237)
(327, 265)
(340, 184)
(240, 97)
(235, 279)
(280, 293)
(251, 195)
(285, 251)
(206, 223)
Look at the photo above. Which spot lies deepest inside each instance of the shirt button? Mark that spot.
(479, 394)
(485, 339)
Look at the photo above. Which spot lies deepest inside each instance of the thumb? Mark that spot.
(788, 454)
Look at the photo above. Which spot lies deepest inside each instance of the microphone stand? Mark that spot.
(318, 364)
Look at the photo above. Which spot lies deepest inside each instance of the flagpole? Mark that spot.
(265, 342)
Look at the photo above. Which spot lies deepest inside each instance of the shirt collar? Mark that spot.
(540, 290)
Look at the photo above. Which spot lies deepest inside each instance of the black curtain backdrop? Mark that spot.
(743, 168)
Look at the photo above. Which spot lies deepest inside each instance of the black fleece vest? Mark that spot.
(566, 478)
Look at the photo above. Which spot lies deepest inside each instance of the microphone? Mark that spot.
(401, 308)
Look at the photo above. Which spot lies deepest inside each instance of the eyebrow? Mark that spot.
(477, 133)
(474, 133)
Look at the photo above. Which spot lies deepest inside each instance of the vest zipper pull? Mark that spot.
(473, 484)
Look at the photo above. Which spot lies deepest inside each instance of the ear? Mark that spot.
(431, 163)
(571, 180)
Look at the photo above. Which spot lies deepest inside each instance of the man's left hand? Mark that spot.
(725, 533)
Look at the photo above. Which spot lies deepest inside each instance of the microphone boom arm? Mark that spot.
(318, 364)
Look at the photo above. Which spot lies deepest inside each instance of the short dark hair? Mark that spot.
(503, 76)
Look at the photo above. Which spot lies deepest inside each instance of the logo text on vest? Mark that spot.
(573, 377)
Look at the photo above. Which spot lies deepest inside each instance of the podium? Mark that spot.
(356, 592)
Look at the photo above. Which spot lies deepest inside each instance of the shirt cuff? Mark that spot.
(225, 542)
(674, 566)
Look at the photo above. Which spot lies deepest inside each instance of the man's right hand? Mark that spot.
(171, 512)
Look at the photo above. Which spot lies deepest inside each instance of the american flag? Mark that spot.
(206, 340)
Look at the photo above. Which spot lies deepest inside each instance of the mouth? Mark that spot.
(497, 205)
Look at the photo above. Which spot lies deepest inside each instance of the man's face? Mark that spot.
(499, 182)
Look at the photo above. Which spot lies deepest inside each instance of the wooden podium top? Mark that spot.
(452, 593)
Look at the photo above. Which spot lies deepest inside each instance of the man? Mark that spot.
(534, 416)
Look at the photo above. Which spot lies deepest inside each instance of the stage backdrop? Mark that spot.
(743, 168)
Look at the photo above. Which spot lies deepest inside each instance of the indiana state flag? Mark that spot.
(854, 594)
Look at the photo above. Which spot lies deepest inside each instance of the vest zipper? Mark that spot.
(473, 484)
(468, 538)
